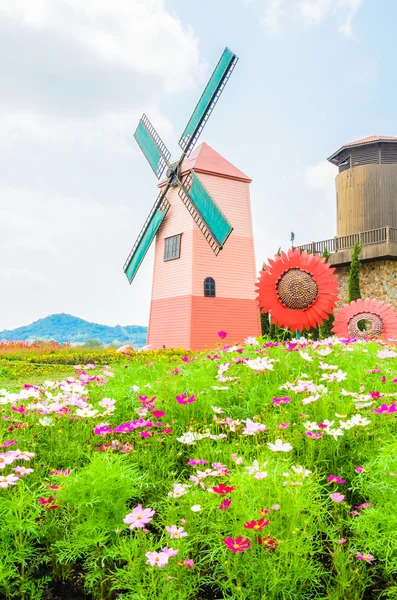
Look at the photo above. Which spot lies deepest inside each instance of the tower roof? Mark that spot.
(205, 160)
(373, 139)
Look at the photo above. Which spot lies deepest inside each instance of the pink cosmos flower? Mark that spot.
(264, 511)
(376, 395)
(139, 517)
(22, 471)
(275, 507)
(337, 497)
(222, 334)
(256, 525)
(342, 541)
(170, 552)
(145, 434)
(9, 443)
(23, 455)
(223, 489)
(159, 559)
(8, 480)
(364, 505)
(335, 479)
(314, 435)
(63, 473)
(365, 557)
(176, 532)
(359, 469)
(20, 410)
(189, 562)
(251, 428)
(6, 459)
(282, 426)
(237, 545)
(225, 503)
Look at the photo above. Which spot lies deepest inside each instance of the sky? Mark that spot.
(75, 77)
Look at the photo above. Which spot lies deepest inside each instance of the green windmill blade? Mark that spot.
(147, 235)
(208, 100)
(152, 146)
(205, 212)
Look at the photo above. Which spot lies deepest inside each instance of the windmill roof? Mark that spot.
(206, 160)
(372, 139)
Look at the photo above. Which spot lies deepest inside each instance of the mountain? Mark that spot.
(66, 328)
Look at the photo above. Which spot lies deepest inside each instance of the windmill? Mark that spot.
(183, 186)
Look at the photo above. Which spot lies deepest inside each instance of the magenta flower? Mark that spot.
(192, 462)
(383, 379)
(364, 505)
(9, 443)
(256, 525)
(237, 545)
(314, 435)
(48, 503)
(185, 400)
(60, 472)
(223, 489)
(225, 503)
(102, 430)
(222, 334)
(335, 479)
(20, 410)
(189, 562)
(282, 426)
(158, 414)
(139, 517)
(283, 400)
(359, 469)
(145, 434)
(376, 395)
(365, 557)
(385, 409)
(337, 497)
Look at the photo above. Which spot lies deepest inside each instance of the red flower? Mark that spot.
(268, 542)
(222, 334)
(223, 489)
(264, 512)
(158, 413)
(225, 503)
(258, 526)
(237, 545)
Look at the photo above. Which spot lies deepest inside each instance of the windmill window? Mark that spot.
(209, 287)
(172, 247)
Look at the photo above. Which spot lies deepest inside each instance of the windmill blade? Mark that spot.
(146, 236)
(152, 146)
(208, 100)
(205, 212)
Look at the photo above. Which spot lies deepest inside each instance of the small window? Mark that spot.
(209, 287)
(172, 247)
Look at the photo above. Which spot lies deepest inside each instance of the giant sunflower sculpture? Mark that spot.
(379, 319)
(300, 290)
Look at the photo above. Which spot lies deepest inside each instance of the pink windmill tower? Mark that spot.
(204, 266)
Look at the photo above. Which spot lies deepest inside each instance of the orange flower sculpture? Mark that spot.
(300, 290)
(380, 320)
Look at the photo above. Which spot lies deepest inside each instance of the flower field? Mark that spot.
(261, 471)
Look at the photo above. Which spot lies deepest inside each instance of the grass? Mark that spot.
(76, 536)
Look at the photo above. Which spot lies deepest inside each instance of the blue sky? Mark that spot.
(76, 76)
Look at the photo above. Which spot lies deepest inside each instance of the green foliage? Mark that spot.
(92, 343)
(354, 277)
(68, 329)
(85, 538)
(325, 330)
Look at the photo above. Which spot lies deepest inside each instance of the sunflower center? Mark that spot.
(364, 325)
(297, 289)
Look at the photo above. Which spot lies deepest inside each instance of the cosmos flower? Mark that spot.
(237, 545)
(251, 428)
(139, 517)
(223, 489)
(256, 525)
(225, 503)
(268, 542)
(222, 334)
(185, 400)
(385, 409)
(365, 557)
(337, 497)
(176, 532)
(335, 479)
(279, 446)
(189, 562)
(8, 480)
(159, 559)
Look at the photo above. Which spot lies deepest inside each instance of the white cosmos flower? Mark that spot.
(251, 341)
(360, 421)
(279, 446)
(301, 471)
(46, 422)
(196, 508)
(305, 356)
(217, 410)
(334, 432)
(86, 412)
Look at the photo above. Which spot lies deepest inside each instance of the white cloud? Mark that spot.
(321, 177)
(136, 34)
(278, 13)
(112, 131)
(9, 273)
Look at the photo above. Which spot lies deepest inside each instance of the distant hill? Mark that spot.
(66, 328)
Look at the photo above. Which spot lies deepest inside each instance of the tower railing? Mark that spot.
(381, 235)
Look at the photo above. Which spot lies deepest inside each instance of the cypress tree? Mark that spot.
(354, 277)
(325, 330)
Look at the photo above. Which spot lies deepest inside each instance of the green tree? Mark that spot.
(354, 277)
(92, 343)
(325, 330)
